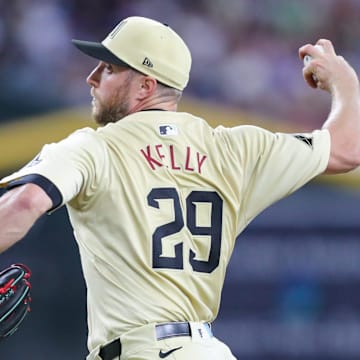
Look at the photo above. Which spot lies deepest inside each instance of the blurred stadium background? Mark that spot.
(292, 290)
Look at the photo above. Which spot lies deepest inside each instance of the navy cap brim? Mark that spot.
(98, 51)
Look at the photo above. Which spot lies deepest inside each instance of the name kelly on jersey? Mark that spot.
(160, 155)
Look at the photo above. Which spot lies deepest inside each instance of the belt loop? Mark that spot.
(111, 350)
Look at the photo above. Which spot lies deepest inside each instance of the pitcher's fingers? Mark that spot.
(327, 46)
(309, 78)
(304, 50)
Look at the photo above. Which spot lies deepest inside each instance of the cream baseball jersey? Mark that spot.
(156, 202)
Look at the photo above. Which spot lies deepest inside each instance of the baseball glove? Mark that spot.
(14, 298)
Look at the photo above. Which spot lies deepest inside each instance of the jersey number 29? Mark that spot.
(213, 231)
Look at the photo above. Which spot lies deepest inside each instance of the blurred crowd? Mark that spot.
(245, 52)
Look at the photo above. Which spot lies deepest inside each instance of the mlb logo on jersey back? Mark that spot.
(168, 130)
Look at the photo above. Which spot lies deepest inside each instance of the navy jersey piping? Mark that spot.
(51, 190)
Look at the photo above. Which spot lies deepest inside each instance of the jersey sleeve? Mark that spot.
(62, 169)
(274, 165)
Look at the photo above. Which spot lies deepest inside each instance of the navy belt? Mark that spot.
(163, 331)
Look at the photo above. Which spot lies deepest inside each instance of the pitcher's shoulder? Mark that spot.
(241, 131)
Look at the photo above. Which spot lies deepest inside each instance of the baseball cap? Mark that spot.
(147, 46)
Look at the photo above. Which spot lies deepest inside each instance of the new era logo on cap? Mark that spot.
(147, 62)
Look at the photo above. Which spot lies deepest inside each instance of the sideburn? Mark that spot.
(119, 106)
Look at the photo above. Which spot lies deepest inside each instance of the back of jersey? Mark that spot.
(156, 224)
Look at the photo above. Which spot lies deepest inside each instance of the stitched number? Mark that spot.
(167, 229)
(212, 232)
